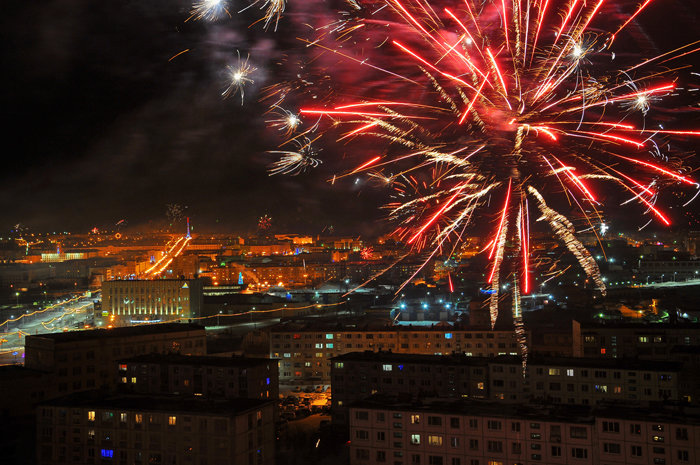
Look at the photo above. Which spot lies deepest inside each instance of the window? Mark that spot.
(361, 434)
(172, 421)
(415, 439)
(636, 451)
(611, 448)
(516, 448)
(454, 441)
(494, 446)
(362, 454)
(456, 461)
(435, 421)
(329, 336)
(454, 423)
(381, 456)
(415, 459)
(107, 453)
(473, 444)
(494, 425)
(380, 435)
(415, 419)
(473, 423)
(91, 415)
(554, 372)
(362, 415)
(386, 367)
(515, 426)
(579, 453)
(339, 365)
(635, 428)
(569, 372)
(556, 451)
(138, 418)
(611, 427)
(435, 440)
(682, 434)
(123, 417)
(683, 456)
(657, 438)
(578, 432)
(434, 460)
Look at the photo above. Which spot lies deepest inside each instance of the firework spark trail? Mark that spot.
(465, 100)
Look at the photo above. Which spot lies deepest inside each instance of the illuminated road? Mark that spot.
(64, 315)
(173, 250)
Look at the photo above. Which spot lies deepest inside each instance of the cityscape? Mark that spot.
(362, 232)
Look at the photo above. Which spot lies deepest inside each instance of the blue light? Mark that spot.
(107, 453)
(448, 335)
(267, 381)
(400, 367)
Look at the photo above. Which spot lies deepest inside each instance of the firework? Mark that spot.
(238, 77)
(264, 223)
(297, 161)
(209, 10)
(487, 113)
(284, 120)
(495, 111)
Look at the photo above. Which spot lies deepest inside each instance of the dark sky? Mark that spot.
(100, 126)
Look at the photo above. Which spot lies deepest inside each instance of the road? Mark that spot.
(65, 314)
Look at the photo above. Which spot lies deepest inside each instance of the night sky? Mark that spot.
(100, 126)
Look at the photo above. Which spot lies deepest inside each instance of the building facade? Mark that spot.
(155, 430)
(206, 376)
(305, 352)
(651, 341)
(126, 302)
(85, 360)
(473, 433)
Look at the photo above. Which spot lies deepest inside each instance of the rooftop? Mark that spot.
(201, 360)
(157, 403)
(550, 413)
(641, 325)
(126, 331)
(376, 325)
(583, 362)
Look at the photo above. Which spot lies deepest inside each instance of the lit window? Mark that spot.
(329, 336)
(448, 335)
(138, 418)
(554, 372)
(122, 367)
(435, 440)
(569, 372)
(123, 417)
(124, 380)
(480, 385)
(415, 419)
(339, 365)
(172, 421)
(267, 381)
(107, 453)
(415, 439)
(329, 346)
(91, 415)
(386, 367)
(319, 345)
(133, 380)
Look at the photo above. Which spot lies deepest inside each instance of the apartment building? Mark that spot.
(385, 430)
(357, 375)
(583, 381)
(652, 341)
(85, 360)
(547, 380)
(305, 351)
(134, 301)
(93, 429)
(207, 376)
